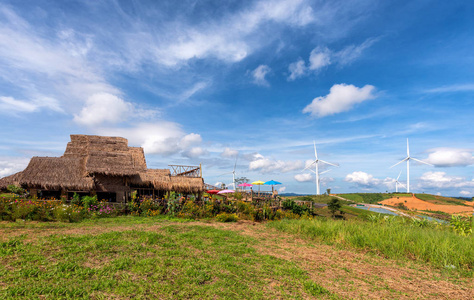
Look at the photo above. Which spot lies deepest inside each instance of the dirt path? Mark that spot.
(348, 274)
(355, 275)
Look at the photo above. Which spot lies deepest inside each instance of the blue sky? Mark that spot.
(208, 81)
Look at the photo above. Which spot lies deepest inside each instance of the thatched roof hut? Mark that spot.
(99, 163)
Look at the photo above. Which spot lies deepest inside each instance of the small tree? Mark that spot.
(328, 191)
(334, 205)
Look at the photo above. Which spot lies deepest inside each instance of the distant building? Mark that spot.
(102, 166)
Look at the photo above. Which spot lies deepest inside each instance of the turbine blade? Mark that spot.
(399, 175)
(309, 165)
(324, 172)
(401, 184)
(315, 152)
(422, 161)
(400, 162)
(335, 165)
(408, 149)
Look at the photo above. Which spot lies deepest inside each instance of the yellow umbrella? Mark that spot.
(259, 183)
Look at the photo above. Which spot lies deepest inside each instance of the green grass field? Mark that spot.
(440, 199)
(175, 261)
(169, 258)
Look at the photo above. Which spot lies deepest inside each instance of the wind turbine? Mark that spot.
(233, 173)
(398, 183)
(407, 159)
(316, 171)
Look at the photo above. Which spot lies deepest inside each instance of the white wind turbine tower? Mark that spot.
(233, 174)
(316, 171)
(398, 183)
(407, 159)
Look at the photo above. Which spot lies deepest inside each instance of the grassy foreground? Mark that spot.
(120, 259)
(391, 237)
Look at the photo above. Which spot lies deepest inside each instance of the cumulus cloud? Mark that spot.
(319, 58)
(450, 157)
(282, 189)
(442, 180)
(465, 193)
(12, 165)
(266, 165)
(303, 177)
(259, 75)
(164, 138)
(229, 153)
(195, 152)
(366, 180)
(341, 97)
(103, 108)
(297, 69)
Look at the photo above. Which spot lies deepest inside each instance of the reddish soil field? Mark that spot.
(418, 204)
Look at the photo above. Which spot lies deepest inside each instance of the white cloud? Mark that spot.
(265, 165)
(450, 157)
(465, 193)
(259, 75)
(190, 140)
(452, 88)
(11, 105)
(230, 39)
(229, 153)
(282, 189)
(195, 152)
(12, 165)
(353, 52)
(103, 108)
(342, 97)
(297, 69)
(165, 138)
(366, 180)
(319, 58)
(304, 177)
(441, 180)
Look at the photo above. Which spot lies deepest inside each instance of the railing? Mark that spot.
(187, 171)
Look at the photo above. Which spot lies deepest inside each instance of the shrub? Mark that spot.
(76, 199)
(16, 189)
(89, 201)
(226, 217)
(461, 225)
(69, 213)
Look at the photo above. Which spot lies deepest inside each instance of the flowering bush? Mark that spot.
(69, 213)
(226, 217)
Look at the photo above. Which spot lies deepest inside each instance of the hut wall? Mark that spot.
(113, 184)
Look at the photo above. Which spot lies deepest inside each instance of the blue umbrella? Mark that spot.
(272, 183)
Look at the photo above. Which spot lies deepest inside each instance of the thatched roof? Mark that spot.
(12, 179)
(161, 179)
(107, 155)
(88, 156)
(54, 173)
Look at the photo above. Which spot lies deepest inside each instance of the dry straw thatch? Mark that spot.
(161, 179)
(87, 156)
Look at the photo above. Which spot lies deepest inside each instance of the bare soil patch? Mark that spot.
(418, 204)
